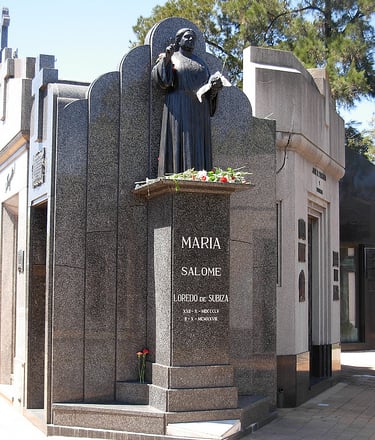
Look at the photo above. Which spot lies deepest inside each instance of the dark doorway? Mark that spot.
(369, 288)
(320, 354)
(311, 240)
(36, 307)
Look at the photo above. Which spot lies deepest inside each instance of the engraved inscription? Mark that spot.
(190, 304)
(200, 243)
(39, 168)
(201, 271)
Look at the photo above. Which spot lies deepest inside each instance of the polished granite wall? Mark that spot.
(253, 270)
(295, 383)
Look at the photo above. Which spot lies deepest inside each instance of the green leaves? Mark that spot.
(363, 142)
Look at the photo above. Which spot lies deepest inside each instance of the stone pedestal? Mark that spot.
(189, 281)
(133, 393)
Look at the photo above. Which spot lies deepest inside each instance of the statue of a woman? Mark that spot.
(185, 140)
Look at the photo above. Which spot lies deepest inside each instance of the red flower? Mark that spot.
(145, 351)
(223, 179)
(204, 178)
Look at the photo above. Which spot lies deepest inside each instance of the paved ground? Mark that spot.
(346, 411)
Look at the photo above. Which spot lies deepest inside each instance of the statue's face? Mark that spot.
(188, 41)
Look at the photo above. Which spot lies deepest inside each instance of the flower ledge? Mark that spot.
(217, 181)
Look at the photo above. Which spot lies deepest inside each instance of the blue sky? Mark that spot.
(89, 38)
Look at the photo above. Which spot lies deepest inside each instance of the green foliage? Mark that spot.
(363, 142)
(336, 34)
(343, 40)
(200, 12)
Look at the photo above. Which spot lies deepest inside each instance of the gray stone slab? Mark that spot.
(264, 306)
(101, 238)
(132, 393)
(133, 165)
(117, 418)
(255, 375)
(135, 147)
(67, 383)
(192, 377)
(100, 310)
(198, 399)
(102, 153)
(70, 178)
(191, 272)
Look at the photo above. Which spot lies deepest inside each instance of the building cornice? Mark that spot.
(311, 152)
(12, 147)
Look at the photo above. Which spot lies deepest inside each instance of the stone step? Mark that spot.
(130, 422)
(67, 431)
(110, 417)
(215, 430)
(193, 399)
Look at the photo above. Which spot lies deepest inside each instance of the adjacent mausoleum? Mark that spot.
(357, 232)
(310, 161)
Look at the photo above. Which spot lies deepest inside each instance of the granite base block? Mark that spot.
(192, 377)
(132, 393)
(110, 417)
(136, 422)
(194, 399)
(256, 411)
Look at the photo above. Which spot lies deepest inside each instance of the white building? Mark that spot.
(310, 159)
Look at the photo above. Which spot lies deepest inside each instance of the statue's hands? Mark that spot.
(169, 51)
(216, 84)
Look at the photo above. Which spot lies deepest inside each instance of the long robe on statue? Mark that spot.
(185, 140)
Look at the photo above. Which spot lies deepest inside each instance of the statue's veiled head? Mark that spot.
(185, 38)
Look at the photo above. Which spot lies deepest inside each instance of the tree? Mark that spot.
(363, 142)
(336, 34)
(371, 133)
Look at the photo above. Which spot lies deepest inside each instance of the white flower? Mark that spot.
(202, 173)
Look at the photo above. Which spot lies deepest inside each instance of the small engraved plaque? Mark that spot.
(39, 168)
(301, 286)
(301, 229)
(335, 259)
(20, 261)
(370, 263)
(301, 252)
(335, 274)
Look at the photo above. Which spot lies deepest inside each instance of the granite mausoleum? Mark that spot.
(215, 282)
(357, 260)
